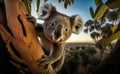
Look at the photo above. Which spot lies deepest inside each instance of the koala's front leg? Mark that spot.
(58, 64)
(38, 26)
(55, 54)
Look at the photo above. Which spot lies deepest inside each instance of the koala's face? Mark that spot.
(58, 27)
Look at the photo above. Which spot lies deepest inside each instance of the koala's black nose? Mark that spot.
(58, 30)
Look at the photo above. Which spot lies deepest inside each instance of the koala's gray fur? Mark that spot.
(56, 29)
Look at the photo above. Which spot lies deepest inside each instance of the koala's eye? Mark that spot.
(66, 29)
(76, 27)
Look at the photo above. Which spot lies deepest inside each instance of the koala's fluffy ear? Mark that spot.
(46, 11)
(76, 22)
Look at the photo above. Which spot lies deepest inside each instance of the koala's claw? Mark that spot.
(30, 18)
(57, 69)
(45, 64)
(44, 56)
(43, 61)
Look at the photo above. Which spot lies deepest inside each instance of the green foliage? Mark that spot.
(77, 48)
(91, 28)
(91, 50)
(102, 8)
(111, 38)
(83, 47)
(95, 35)
(81, 59)
(98, 2)
(99, 29)
(113, 15)
(68, 2)
(28, 4)
(92, 12)
(94, 61)
(89, 23)
(115, 28)
(113, 4)
(86, 30)
(101, 12)
(68, 58)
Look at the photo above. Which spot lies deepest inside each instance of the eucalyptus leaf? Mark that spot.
(69, 2)
(91, 28)
(111, 38)
(66, 3)
(98, 2)
(118, 28)
(101, 10)
(113, 4)
(86, 30)
(92, 12)
(114, 28)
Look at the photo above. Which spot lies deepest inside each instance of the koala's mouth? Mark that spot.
(56, 38)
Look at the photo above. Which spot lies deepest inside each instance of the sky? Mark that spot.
(80, 7)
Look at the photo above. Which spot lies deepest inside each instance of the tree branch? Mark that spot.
(23, 42)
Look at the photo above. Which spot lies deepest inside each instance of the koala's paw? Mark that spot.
(57, 68)
(44, 61)
(30, 18)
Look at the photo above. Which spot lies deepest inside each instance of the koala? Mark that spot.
(57, 28)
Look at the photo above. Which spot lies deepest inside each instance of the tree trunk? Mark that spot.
(21, 40)
(111, 65)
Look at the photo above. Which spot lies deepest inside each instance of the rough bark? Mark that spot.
(21, 40)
